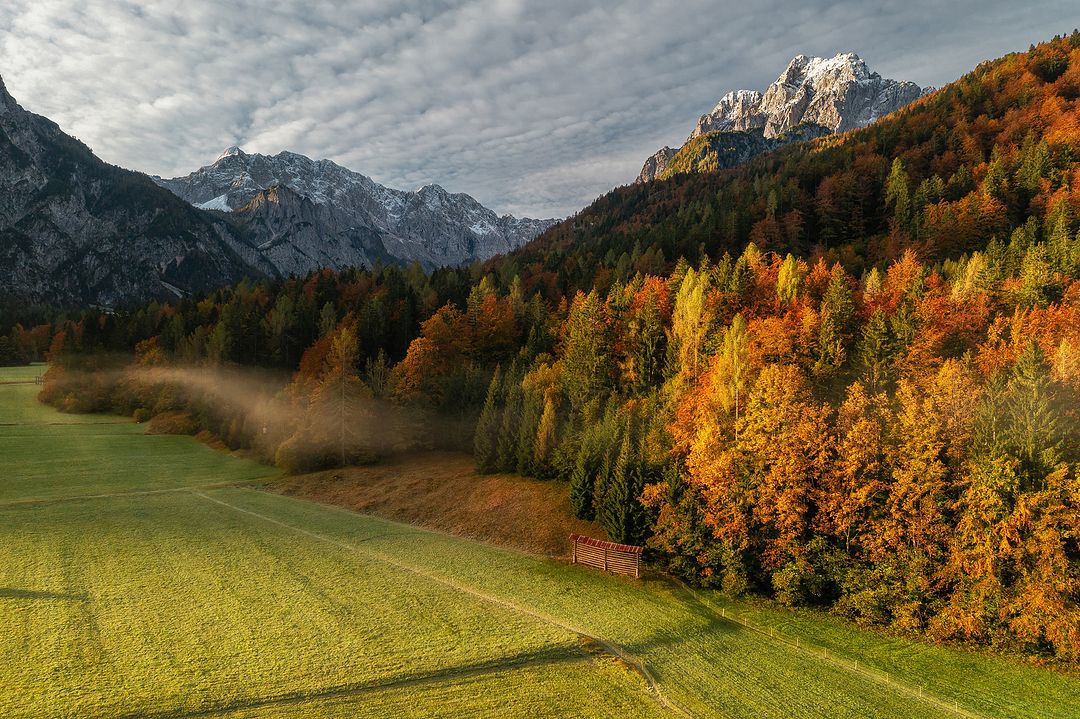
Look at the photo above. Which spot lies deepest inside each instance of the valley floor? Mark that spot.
(139, 576)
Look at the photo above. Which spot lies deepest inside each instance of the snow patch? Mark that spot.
(218, 203)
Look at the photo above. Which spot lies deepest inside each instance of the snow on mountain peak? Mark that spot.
(231, 151)
(824, 94)
(348, 215)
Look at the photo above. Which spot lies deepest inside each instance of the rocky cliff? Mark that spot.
(835, 94)
(75, 230)
(356, 216)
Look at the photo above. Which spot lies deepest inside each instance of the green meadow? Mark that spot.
(143, 576)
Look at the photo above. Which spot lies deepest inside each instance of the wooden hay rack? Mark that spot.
(609, 556)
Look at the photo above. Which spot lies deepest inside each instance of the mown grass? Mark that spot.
(23, 373)
(711, 666)
(169, 605)
(232, 602)
(47, 455)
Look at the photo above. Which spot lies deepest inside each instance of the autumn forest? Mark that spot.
(845, 375)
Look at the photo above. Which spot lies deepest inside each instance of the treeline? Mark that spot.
(880, 418)
(25, 331)
(1011, 123)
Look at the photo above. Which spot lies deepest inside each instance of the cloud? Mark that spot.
(532, 107)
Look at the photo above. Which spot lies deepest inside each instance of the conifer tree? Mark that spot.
(525, 455)
(875, 352)
(582, 483)
(897, 195)
(486, 438)
(621, 507)
(511, 424)
(544, 445)
(837, 311)
(1033, 429)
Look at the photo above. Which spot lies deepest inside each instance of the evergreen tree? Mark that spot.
(1033, 430)
(837, 312)
(582, 483)
(586, 362)
(506, 457)
(486, 438)
(544, 445)
(621, 513)
(897, 195)
(875, 352)
(525, 455)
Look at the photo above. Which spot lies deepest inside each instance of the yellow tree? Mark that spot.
(788, 451)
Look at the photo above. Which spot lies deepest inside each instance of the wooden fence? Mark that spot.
(609, 556)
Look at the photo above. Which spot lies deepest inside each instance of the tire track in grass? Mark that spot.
(635, 663)
(109, 495)
(342, 691)
(850, 665)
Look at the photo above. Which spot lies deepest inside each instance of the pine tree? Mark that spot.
(616, 510)
(586, 362)
(582, 483)
(486, 438)
(525, 455)
(506, 458)
(544, 446)
(875, 352)
(897, 195)
(837, 311)
(1034, 432)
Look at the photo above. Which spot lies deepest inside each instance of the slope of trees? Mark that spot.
(846, 375)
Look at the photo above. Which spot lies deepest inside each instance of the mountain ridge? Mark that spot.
(77, 231)
(429, 225)
(835, 94)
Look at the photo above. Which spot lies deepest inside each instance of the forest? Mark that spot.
(845, 375)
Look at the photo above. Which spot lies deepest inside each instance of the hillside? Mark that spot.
(979, 157)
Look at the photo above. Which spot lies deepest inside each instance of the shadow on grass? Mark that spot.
(551, 655)
(12, 593)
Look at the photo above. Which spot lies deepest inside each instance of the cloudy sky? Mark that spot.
(532, 107)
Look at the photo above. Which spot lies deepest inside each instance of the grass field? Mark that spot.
(207, 600)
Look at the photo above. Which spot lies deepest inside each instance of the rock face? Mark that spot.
(312, 213)
(75, 230)
(837, 94)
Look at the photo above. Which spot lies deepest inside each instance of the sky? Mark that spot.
(534, 108)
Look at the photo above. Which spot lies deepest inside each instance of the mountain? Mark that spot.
(308, 213)
(827, 94)
(75, 230)
(959, 170)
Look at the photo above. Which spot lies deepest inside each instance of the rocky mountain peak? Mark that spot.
(232, 151)
(357, 217)
(836, 93)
